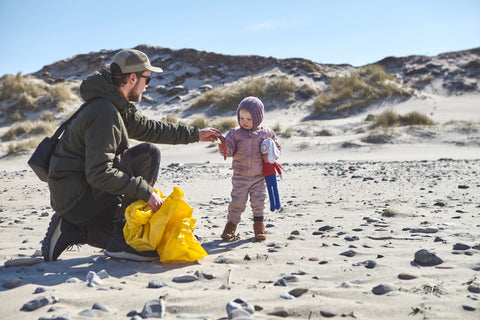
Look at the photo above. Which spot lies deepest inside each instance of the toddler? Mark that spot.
(243, 144)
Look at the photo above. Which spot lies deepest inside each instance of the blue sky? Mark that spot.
(35, 33)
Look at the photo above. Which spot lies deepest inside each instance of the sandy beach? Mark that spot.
(345, 228)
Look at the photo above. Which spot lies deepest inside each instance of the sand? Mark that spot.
(353, 219)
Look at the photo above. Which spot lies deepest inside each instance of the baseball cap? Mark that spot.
(131, 60)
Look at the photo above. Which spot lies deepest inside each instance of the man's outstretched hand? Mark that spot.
(209, 135)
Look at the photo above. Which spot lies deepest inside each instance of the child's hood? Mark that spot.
(256, 109)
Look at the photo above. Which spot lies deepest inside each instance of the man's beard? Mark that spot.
(134, 95)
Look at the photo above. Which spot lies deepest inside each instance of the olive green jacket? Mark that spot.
(85, 152)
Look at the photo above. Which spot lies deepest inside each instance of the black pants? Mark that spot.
(97, 210)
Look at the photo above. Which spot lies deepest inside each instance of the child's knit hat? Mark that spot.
(256, 109)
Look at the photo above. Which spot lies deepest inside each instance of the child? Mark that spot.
(243, 144)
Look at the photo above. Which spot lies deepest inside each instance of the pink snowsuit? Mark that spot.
(244, 146)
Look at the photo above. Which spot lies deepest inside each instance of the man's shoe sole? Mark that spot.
(49, 242)
(130, 256)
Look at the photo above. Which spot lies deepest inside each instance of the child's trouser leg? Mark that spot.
(258, 195)
(240, 188)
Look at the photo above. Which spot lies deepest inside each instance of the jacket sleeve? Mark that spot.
(231, 145)
(141, 128)
(102, 135)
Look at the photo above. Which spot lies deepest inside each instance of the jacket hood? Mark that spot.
(256, 109)
(99, 85)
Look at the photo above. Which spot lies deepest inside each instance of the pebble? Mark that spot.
(222, 259)
(12, 283)
(279, 312)
(424, 230)
(72, 280)
(327, 314)
(239, 304)
(475, 266)
(287, 296)
(468, 308)
(88, 313)
(383, 288)
(39, 303)
(59, 317)
(474, 288)
(103, 274)
(348, 253)
(155, 284)
(439, 204)
(153, 309)
(369, 264)
(426, 258)
(183, 278)
(93, 279)
(461, 246)
(297, 292)
(101, 307)
(407, 276)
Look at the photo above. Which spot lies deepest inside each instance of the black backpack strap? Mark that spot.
(64, 125)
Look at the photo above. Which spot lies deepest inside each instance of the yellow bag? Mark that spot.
(169, 231)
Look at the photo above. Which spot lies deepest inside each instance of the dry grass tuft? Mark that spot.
(27, 129)
(227, 97)
(363, 87)
(389, 118)
(20, 95)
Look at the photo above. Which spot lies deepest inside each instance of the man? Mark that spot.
(94, 175)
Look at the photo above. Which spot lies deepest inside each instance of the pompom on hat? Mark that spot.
(256, 109)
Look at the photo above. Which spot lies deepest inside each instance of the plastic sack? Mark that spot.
(169, 231)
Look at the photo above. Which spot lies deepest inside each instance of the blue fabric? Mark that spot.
(273, 195)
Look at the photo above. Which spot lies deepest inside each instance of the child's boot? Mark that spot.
(259, 230)
(229, 231)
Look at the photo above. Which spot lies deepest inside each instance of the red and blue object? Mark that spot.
(270, 170)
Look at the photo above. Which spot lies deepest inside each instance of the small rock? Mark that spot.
(349, 253)
(12, 283)
(297, 292)
(183, 278)
(59, 317)
(424, 230)
(461, 246)
(93, 279)
(407, 276)
(468, 308)
(474, 266)
(474, 288)
(38, 303)
(239, 304)
(286, 296)
(383, 288)
(327, 314)
(155, 284)
(222, 259)
(439, 204)
(438, 239)
(153, 309)
(426, 258)
(279, 312)
(101, 307)
(280, 283)
(103, 274)
(463, 186)
(89, 313)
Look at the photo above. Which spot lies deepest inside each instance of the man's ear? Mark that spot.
(132, 77)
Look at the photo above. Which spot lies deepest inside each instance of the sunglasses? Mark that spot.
(146, 77)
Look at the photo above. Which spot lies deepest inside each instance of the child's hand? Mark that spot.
(222, 147)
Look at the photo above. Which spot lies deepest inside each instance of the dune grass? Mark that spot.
(227, 97)
(389, 118)
(352, 92)
(21, 94)
(27, 129)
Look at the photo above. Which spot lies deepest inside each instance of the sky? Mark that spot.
(35, 33)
